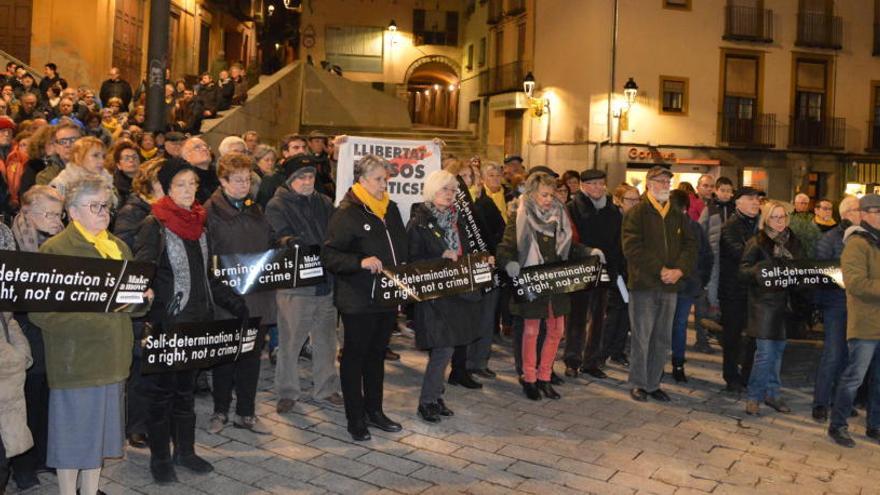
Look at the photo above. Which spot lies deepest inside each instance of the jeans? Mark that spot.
(532, 368)
(863, 354)
(834, 356)
(679, 326)
(764, 380)
(362, 368)
(432, 382)
(650, 312)
(616, 325)
(300, 318)
(479, 351)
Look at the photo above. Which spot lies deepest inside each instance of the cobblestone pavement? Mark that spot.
(594, 440)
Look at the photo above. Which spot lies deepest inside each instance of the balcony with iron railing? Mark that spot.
(817, 30)
(873, 136)
(828, 133)
(758, 131)
(503, 79)
(748, 24)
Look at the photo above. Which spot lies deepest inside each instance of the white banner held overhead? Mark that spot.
(411, 162)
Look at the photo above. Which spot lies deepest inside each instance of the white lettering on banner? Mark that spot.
(411, 162)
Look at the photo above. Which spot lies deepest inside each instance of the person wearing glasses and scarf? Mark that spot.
(540, 232)
(86, 387)
(769, 308)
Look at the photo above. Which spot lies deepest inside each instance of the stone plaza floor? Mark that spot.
(594, 440)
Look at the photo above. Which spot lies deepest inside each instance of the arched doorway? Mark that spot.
(432, 85)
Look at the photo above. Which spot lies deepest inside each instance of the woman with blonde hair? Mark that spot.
(87, 162)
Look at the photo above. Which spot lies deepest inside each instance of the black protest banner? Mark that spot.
(56, 283)
(283, 268)
(465, 207)
(432, 279)
(557, 278)
(800, 273)
(197, 345)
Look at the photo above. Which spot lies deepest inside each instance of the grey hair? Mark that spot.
(436, 181)
(848, 204)
(537, 180)
(487, 166)
(48, 193)
(369, 163)
(262, 150)
(228, 142)
(87, 187)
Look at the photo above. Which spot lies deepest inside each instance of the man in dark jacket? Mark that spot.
(718, 209)
(660, 252)
(598, 221)
(733, 293)
(197, 153)
(117, 87)
(206, 103)
(50, 78)
(227, 90)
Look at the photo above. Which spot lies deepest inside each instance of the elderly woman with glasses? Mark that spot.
(126, 159)
(769, 307)
(86, 387)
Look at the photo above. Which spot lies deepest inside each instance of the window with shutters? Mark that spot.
(810, 89)
(481, 56)
(741, 86)
(355, 48)
(469, 62)
(673, 95)
(474, 112)
(435, 27)
(741, 122)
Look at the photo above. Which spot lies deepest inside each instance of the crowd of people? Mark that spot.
(71, 384)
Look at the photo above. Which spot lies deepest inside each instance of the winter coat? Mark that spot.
(508, 251)
(74, 173)
(269, 185)
(122, 184)
(806, 230)
(84, 349)
(713, 217)
(830, 248)
(227, 90)
(699, 276)
(32, 169)
(599, 229)
(120, 89)
(15, 358)
(769, 308)
(491, 220)
(301, 220)
(240, 94)
(651, 242)
(231, 231)
(208, 183)
(734, 236)
(208, 98)
(355, 233)
(860, 263)
(448, 321)
(54, 166)
(129, 218)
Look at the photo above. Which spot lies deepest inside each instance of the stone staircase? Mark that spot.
(461, 144)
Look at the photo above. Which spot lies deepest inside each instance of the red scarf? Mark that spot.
(187, 224)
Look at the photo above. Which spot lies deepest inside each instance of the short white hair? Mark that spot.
(228, 142)
(848, 204)
(436, 181)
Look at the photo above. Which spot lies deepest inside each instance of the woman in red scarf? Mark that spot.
(174, 238)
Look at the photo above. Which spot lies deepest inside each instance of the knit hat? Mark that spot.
(169, 171)
(301, 164)
(7, 123)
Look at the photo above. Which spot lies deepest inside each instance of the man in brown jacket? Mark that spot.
(660, 251)
(860, 263)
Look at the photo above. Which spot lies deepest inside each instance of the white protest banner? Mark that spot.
(411, 162)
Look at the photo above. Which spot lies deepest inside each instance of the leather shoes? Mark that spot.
(546, 388)
(555, 379)
(163, 472)
(138, 440)
(465, 380)
(531, 390)
(841, 437)
(384, 423)
(659, 395)
(444, 411)
(594, 372)
(359, 432)
(430, 413)
(484, 373)
(639, 394)
(820, 414)
(391, 355)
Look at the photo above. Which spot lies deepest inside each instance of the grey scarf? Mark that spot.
(530, 221)
(779, 240)
(600, 203)
(180, 267)
(447, 220)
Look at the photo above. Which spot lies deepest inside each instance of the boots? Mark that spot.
(678, 370)
(546, 388)
(184, 445)
(159, 435)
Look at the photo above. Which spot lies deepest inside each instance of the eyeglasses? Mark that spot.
(66, 141)
(200, 147)
(631, 200)
(48, 215)
(98, 208)
(239, 181)
(128, 158)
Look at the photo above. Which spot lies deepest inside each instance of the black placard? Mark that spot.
(557, 278)
(55, 283)
(465, 206)
(432, 279)
(800, 273)
(197, 345)
(284, 268)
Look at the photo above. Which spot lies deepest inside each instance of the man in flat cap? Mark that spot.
(598, 222)
(660, 251)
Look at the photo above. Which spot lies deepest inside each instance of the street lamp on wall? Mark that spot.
(537, 105)
(630, 91)
(392, 26)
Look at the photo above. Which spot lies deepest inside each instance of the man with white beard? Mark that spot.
(660, 251)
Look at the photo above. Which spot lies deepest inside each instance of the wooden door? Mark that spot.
(128, 36)
(15, 28)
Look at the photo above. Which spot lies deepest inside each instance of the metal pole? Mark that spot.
(157, 57)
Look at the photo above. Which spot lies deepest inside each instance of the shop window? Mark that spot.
(355, 48)
(673, 95)
(677, 4)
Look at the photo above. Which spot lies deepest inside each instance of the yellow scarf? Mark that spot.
(147, 154)
(825, 223)
(663, 210)
(498, 199)
(377, 206)
(102, 242)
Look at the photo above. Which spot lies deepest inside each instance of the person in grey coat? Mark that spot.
(299, 216)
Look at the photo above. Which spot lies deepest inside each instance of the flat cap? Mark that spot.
(542, 169)
(592, 174)
(746, 191)
(657, 171)
(869, 202)
(513, 158)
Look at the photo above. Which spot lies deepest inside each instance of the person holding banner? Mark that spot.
(174, 238)
(769, 307)
(434, 231)
(236, 225)
(540, 232)
(365, 233)
(299, 216)
(86, 387)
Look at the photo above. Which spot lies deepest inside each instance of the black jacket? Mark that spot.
(208, 183)
(490, 220)
(227, 89)
(768, 307)
(208, 99)
(734, 236)
(122, 183)
(356, 233)
(120, 89)
(448, 321)
(702, 271)
(599, 229)
(29, 177)
(129, 218)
